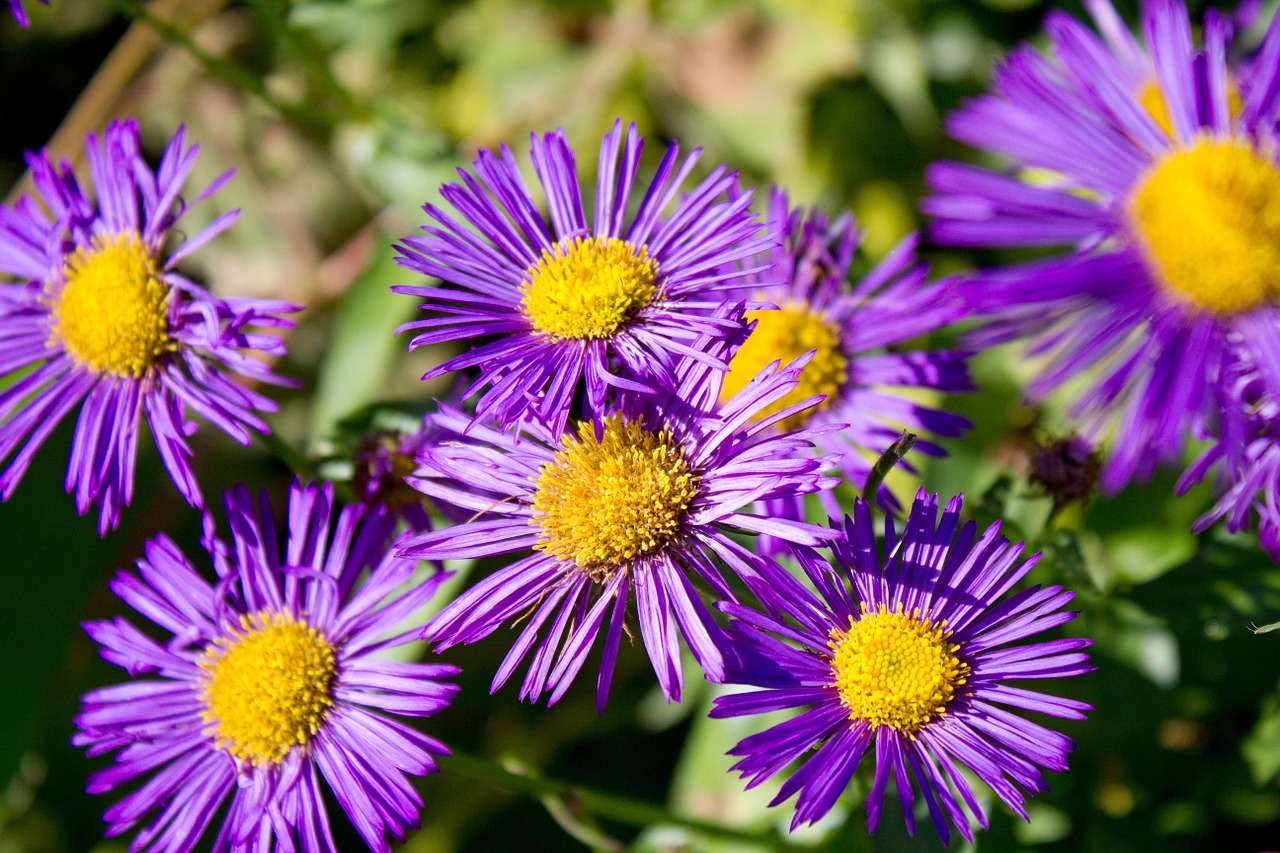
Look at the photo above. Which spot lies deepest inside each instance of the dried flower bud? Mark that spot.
(1066, 468)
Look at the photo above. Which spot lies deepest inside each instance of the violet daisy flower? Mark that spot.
(616, 304)
(1158, 166)
(102, 316)
(847, 329)
(631, 505)
(906, 656)
(270, 683)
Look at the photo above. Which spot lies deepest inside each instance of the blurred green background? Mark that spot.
(341, 119)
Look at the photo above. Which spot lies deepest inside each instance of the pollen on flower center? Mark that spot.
(784, 335)
(586, 289)
(603, 502)
(112, 312)
(1208, 220)
(269, 687)
(895, 669)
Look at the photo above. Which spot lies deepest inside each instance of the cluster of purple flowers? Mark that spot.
(651, 391)
(634, 412)
(1152, 164)
(648, 383)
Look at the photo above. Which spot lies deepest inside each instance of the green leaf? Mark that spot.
(53, 561)
(363, 347)
(702, 781)
(1140, 640)
(1142, 554)
(1261, 749)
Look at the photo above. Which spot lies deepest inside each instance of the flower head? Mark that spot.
(630, 505)
(383, 458)
(102, 317)
(1155, 164)
(907, 656)
(387, 455)
(1066, 468)
(847, 328)
(616, 304)
(269, 684)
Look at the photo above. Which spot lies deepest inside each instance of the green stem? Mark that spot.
(610, 806)
(302, 115)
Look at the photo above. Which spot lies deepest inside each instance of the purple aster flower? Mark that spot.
(847, 329)
(906, 656)
(15, 6)
(1157, 165)
(630, 506)
(617, 303)
(383, 460)
(103, 317)
(271, 681)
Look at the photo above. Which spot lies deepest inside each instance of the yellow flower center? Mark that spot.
(1152, 100)
(112, 313)
(603, 502)
(784, 335)
(1208, 219)
(269, 687)
(588, 288)
(896, 669)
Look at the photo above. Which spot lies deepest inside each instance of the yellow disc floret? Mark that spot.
(587, 288)
(896, 669)
(269, 687)
(1208, 220)
(112, 312)
(603, 502)
(783, 336)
